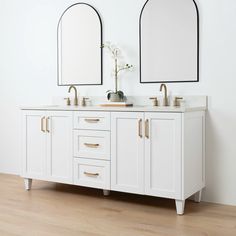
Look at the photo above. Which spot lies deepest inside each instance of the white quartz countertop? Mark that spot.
(126, 109)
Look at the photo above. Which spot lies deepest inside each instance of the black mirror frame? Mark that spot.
(198, 49)
(99, 17)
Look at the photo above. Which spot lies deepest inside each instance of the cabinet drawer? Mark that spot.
(92, 120)
(92, 173)
(92, 144)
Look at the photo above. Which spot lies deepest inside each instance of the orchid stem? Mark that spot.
(116, 75)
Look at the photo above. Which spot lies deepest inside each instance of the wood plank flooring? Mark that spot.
(63, 210)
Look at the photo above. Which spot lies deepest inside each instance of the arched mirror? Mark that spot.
(79, 46)
(169, 41)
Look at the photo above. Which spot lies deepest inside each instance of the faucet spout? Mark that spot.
(76, 103)
(165, 99)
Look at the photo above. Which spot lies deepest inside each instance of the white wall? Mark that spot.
(28, 74)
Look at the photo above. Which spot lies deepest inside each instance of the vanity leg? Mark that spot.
(180, 206)
(198, 196)
(106, 192)
(28, 184)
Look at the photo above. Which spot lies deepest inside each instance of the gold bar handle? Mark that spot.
(42, 124)
(140, 128)
(147, 129)
(92, 145)
(92, 120)
(91, 174)
(47, 125)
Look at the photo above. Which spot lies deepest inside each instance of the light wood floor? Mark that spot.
(56, 209)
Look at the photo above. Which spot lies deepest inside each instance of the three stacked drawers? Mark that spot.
(91, 150)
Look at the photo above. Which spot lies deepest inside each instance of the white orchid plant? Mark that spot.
(116, 54)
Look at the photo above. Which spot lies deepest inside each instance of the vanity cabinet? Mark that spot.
(133, 150)
(47, 146)
(91, 134)
(146, 153)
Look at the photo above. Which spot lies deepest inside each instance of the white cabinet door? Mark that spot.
(59, 146)
(47, 145)
(34, 144)
(163, 155)
(127, 152)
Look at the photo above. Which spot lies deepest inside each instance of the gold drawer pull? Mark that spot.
(147, 129)
(91, 174)
(140, 128)
(92, 120)
(92, 145)
(42, 124)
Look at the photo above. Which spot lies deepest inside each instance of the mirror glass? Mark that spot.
(79, 46)
(169, 41)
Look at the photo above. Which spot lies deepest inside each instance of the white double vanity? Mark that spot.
(155, 151)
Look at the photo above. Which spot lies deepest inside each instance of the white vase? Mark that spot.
(115, 98)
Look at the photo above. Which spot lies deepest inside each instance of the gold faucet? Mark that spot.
(76, 102)
(165, 99)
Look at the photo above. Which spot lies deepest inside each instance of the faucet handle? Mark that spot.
(177, 101)
(84, 99)
(155, 101)
(68, 103)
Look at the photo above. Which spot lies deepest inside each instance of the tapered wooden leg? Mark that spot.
(198, 196)
(106, 192)
(180, 206)
(28, 184)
